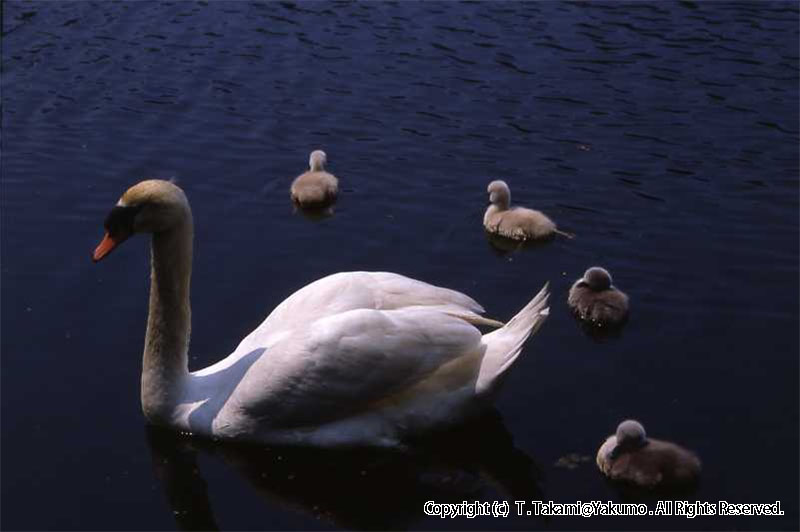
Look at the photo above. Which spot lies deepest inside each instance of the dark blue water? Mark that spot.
(664, 135)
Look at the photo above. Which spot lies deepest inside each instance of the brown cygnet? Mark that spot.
(517, 223)
(595, 300)
(315, 188)
(630, 456)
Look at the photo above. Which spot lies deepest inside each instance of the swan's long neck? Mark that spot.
(165, 366)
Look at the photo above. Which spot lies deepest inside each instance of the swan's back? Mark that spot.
(345, 291)
(341, 292)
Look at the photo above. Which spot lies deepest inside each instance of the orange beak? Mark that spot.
(105, 247)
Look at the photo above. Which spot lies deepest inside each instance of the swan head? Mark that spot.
(317, 160)
(499, 194)
(630, 436)
(150, 206)
(597, 278)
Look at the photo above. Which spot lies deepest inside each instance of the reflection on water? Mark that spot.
(600, 334)
(629, 493)
(337, 485)
(503, 245)
(314, 213)
(175, 466)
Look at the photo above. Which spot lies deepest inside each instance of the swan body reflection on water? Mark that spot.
(366, 488)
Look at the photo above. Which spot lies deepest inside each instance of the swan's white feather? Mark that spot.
(345, 291)
(359, 358)
(341, 365)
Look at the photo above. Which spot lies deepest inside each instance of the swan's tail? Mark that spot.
(564, 234)
(503, 346)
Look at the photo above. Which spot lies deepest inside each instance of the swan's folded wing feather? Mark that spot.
(397, 291)
(345, 291)
(344, 364)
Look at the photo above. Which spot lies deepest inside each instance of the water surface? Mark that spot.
(664, 135)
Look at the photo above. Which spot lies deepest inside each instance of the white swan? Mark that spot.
(517, 223)
(354, 358)
(315, 188)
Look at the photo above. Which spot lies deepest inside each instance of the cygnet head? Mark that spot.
(499, 194)
(631, 430)
(630, 436)
(597, 278)
(151, 206)
(317, 160)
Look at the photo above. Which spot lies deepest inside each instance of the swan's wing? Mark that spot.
(397, 291)
(345, 364)
(345, 291)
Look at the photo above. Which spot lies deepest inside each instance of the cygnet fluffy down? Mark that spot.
(594, 299)
(517, 223)
(630, 456)
(315, 188)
